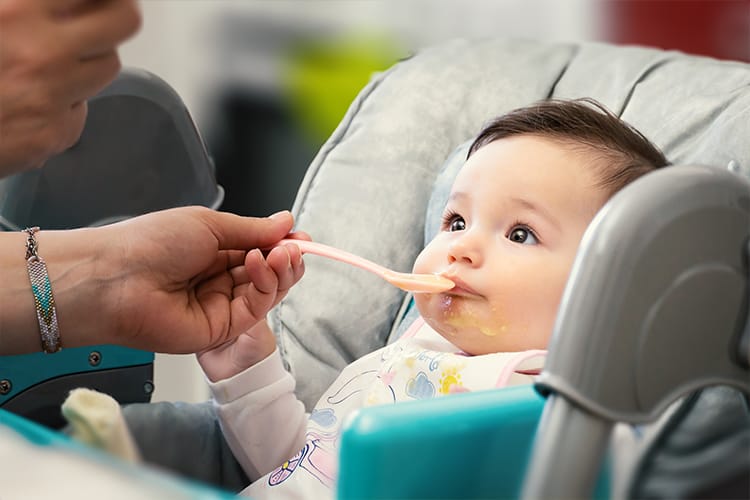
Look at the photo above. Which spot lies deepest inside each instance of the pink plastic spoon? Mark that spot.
(424, 283)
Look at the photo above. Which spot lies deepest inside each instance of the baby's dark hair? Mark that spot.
(621, 153)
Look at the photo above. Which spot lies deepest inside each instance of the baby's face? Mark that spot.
(510, 232)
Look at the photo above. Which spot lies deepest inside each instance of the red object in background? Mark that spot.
(717, 28)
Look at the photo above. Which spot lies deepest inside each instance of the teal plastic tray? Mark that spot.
(472, 445)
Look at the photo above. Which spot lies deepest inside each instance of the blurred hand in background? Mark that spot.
(54, 55)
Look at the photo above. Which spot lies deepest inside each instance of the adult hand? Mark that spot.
(176, 281)
(186, 280)
(54, 54)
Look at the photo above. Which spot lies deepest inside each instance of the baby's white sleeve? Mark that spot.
(262, 420)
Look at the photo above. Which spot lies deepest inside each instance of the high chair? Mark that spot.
(655, 308)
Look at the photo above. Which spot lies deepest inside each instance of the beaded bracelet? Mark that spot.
(46, 312)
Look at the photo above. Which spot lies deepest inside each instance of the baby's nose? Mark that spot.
(465, 249)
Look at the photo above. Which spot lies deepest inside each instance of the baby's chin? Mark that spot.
(467, 333)
(453, 316)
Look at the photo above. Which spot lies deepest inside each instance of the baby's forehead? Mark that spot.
(443, 184)
(530, 153)
(527, 175)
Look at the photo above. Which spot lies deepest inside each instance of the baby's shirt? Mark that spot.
(420, 365)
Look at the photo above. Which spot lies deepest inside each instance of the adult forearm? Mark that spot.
(173, 281)
(75, 272)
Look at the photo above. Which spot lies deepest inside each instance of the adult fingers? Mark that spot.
(95, 28)
(59, 8)
(88, 77)
(27, 143)
(245, 233)
(235, 259)
(69, 127)
(298, 235)
(57, 133)
(232, 260)
(239, 275)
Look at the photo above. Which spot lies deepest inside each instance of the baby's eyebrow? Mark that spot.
(533, 207)
(456, 195)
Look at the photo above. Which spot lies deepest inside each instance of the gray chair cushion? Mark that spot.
(702, 451)
(367, 191)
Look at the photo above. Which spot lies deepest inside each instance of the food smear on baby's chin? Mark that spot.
(461, 317)
(469, 321)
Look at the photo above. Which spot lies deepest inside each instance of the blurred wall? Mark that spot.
(716, 28)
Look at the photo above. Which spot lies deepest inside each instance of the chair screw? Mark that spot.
(148, 387)
(5, 386)
(95, 358)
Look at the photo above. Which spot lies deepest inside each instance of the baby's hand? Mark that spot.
(264, 282)
(238, 354)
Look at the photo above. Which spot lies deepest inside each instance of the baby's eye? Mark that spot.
(523, 235)
(453, 222)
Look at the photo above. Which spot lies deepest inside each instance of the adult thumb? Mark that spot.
(235, 232)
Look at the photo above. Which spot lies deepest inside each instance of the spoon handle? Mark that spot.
(337, 254)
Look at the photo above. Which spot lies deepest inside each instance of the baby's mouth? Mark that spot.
(460, 288)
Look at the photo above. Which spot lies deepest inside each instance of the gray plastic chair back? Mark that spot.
(655, 308)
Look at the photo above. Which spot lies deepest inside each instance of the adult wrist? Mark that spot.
(77, 273)
(82, 272)
(18, 325)
(44, 299)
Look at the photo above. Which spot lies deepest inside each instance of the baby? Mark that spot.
(533, 180)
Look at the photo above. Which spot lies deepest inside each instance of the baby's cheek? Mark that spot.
(419, 265)
(422, 303)
(431, 259)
